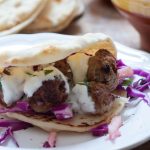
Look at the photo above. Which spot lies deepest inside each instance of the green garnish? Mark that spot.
(48, 72)
(127, 82)
(0, 85)
(84, 83)
(30, 74)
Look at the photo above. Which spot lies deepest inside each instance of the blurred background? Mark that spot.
(101, 16)
(79, 17)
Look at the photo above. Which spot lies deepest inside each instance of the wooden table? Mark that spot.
(100, 17)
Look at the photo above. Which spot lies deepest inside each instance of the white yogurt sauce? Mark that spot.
(12, 85)
(81, 101)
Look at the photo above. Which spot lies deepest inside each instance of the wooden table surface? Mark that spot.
(99, 17)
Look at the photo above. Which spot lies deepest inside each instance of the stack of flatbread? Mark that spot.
(30, 16)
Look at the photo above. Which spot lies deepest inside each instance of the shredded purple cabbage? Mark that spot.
(100, 130)
(120, 64)
(137, 88)
(141, 85)
(4, 135)
(46, 145)
(131, 92)
(9, 126)
(12, 137)
(14, 124)
(141, 72)
(134, 93)
(63, 111)
(21, 106)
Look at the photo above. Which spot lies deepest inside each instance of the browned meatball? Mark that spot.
(102, 68)
(101, 96)
(1, 99)
(64, 67)
(52, 92)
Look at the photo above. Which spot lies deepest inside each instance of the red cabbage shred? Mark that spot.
(100, 130)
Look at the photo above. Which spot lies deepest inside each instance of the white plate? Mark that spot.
(136, 128)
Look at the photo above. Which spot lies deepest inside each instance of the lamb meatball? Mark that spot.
(101, 96)
(52, 92)
(64, 67)
(102, 68)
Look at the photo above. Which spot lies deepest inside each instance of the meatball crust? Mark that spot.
(2, 103)
(64, 67)
(102, 68)
(51, 93)
(101, 96)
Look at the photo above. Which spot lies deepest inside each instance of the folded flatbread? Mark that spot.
(17, 14)
(57, 15)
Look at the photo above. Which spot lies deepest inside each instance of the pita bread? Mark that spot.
(56, 16)
(19, 14)
(81, 7)
(77, 12)
(49, 48)
(79, 123)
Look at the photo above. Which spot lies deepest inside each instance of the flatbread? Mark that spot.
(65, 23)
(81, 7)
(49, 48)
(79, 123)
(19, 14)
(56, 16)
